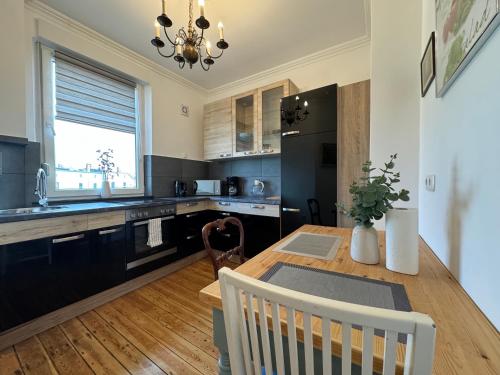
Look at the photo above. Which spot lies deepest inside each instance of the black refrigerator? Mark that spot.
(309, 160)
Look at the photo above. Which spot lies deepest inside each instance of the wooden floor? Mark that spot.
(161, 328)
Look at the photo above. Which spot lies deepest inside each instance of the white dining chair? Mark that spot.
(245, 354)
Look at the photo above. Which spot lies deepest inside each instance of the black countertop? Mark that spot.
(68, 209)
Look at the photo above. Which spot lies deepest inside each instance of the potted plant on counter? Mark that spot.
(372, 197)
(108, 168)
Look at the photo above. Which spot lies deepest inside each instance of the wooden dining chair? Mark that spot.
(218, 257)
(243, 342)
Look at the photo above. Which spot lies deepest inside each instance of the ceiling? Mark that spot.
(261, 33)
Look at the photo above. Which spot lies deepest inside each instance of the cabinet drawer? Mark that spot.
(223, 206)
(259, 209)
(106, 219)
(184, 208)
(20, 231)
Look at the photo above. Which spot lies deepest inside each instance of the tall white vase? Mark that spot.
(105, 189)
(364, 245)
(401, 240)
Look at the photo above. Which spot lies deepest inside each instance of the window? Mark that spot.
(87, 108)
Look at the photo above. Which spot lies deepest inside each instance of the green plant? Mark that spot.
(106, 164)
(373, 196)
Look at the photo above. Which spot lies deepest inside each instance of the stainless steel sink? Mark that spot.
(30, 210)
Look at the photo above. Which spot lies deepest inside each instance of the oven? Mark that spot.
(141, 257)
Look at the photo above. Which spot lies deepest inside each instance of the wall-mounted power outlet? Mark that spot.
(430, 182)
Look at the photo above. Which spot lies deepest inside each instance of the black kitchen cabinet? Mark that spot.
(27, 282)
(71, 261)
(190, 226)
(107, 258)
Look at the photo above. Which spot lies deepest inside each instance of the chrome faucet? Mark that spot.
(41, 187)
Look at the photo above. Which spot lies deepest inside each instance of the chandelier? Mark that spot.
(291, 116)
(189, 46)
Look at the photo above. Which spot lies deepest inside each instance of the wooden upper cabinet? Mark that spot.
(269, 115)
(245, 130)
(246, 124)
(217, 133)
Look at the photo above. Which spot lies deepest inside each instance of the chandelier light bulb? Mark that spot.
(201, 4)
(221, 30)
(157, 29)
(306, 103)
(209, 48)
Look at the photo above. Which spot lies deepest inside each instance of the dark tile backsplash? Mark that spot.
(160, 173)
(20, 162)
(265, 168)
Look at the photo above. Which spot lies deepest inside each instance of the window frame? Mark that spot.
(48, 104)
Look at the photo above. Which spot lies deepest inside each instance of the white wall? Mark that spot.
(395, 90)
(172, 134)
(460, 137)
(12, 89)
(342, 64)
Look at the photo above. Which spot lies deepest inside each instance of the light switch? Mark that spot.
(430, 182)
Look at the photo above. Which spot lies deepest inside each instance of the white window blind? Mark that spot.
(88, 95)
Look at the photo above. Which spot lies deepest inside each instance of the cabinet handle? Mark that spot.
(191, 237)
(250, 152)
(224, 203)
(294, 132)
(267, 151)
(257, 206)
(191, 215)
(226, 155)
(191, 204)
(147, 221)
(291, 209)
(68, 239)
(109, 231)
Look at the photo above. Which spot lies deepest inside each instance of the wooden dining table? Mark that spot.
(466, 342)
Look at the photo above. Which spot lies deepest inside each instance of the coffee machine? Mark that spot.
(180, 188)
(233, 185)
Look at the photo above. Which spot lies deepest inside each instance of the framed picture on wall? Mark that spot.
(428, 66)
(462, 27)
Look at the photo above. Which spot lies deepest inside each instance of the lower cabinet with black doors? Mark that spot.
(190, 226)
(41, 276)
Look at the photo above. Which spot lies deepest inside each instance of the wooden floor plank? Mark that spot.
(159, 353)
(202, 323)
(62, 353)
(9, 363)
(171, 322)
(34, 358)
(91, 350)
(177, 344)
(126, 353)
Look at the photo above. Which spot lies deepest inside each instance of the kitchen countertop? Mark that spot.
(80, 208)
(240, 198)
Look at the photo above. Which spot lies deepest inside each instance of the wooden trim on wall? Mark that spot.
(38, 325)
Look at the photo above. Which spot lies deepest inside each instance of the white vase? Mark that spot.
(364, 245)
(401, 240)
(105, 190)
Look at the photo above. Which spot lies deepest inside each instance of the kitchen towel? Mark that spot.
(401, 240)
(154, 235)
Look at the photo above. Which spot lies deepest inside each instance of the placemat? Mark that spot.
(313, 245)
(340, 287)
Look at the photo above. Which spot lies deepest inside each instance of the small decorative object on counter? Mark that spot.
(401, 240)
(372, 197)
(258, 187)
(108, 169)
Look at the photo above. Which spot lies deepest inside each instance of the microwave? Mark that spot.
(206, 187)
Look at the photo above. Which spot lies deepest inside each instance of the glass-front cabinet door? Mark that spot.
(245, 124)
(270, 115)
